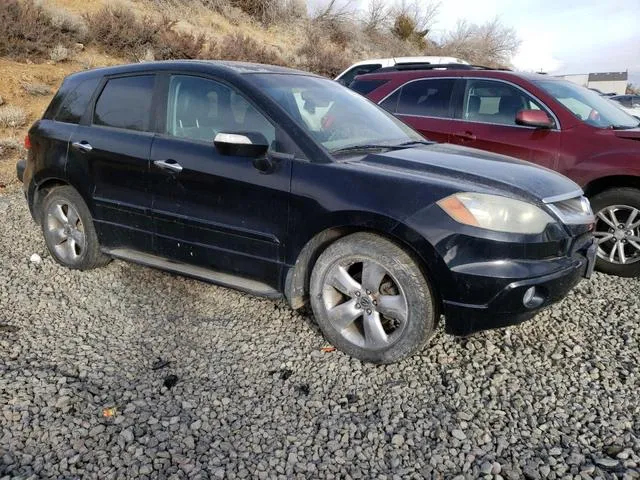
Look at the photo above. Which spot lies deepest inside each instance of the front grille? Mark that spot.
(575, 210)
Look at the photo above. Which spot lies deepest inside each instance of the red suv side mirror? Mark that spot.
(534, 118)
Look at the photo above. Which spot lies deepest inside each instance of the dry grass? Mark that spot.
(59, 53)
(244, 48)
(9, 145)
(12, 116)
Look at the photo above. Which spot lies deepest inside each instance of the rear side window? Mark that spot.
(364, 87)
(125, 103)
(428, 98)
(77, 101)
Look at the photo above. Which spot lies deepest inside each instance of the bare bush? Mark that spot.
(413, 19)
(12, 116)
(491, 44)
(376, 17)
(8, 145)
(28, 31)
(65, 21)
(241, 47)
(320, 56)
(36, 89)
(121, 33)
(59, 53)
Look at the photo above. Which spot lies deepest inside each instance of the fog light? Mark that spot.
(532, 298)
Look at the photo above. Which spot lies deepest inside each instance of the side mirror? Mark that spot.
(241, 144)
(534, 118)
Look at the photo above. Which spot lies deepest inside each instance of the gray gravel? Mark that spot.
(255, 397)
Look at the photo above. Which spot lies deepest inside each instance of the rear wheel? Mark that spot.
(68, 230)
(371, 299)
(617, 231)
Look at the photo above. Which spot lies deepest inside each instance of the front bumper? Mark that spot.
(507, 306)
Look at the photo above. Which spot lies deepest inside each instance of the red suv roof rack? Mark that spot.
(399, 67)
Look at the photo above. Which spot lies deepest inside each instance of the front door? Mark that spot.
(112, 148)
(212, 210)
(488, 122)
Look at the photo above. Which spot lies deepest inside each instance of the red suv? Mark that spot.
(545, 120)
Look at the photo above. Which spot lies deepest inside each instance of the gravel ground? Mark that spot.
(255, 396)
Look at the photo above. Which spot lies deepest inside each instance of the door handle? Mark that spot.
(82, 146)
(171, 165)
(465, 136)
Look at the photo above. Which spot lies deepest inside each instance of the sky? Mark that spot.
(558, 36)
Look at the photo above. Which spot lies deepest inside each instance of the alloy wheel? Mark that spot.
(65, 231)
(617, 233)
(365, 303)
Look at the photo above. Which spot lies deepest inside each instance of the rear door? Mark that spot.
(426, 105)
(218, 211)
(110, 148)
(487, 120)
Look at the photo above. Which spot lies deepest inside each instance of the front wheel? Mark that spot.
(371, 299)
(617, 231)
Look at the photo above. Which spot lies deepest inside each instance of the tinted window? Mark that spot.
(349, 75)
(390, 104)
(200, 108)
(125, 103)
(430, 98)
(333, 115)
(490, 101)
(76, 102)
(363, 87)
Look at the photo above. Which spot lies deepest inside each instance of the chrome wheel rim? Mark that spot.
(65, 231)
(365, 303)
(617, 233)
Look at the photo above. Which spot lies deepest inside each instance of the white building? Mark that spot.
(607, 82)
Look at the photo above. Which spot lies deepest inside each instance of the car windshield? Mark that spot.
(334, 115)
(587, 105)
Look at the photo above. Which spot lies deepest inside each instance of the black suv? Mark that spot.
(278, 182)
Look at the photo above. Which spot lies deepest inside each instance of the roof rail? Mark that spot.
(398, 67)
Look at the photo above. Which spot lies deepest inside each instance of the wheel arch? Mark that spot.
(601, 184)
(38, 190)
(298, 276)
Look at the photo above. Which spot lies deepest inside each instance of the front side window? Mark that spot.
(126, 103)
(200, 108)
(490, 101)
(427, 98)
(587, 105)
(333, 115)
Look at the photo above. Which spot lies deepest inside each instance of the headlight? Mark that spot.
(494, 212)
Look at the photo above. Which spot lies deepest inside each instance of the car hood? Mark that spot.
(469, 168)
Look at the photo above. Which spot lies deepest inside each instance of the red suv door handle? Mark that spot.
(465, 136)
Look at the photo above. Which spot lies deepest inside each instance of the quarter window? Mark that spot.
(349, 75)
(200, 108)
(428, 98)
(489, 101)
(125, 103)
(76, 102)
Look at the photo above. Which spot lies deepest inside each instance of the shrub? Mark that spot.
(12, 116)
(28, 31)
(320, 56)
(59, 53)
(119, 32)
(10, 145)
(238, 46)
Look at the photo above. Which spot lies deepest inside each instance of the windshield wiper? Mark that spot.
(624, 127)
(416, 142)
(356, 148)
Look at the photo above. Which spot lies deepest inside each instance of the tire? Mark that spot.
(625, 205)
(68, 230)
(386, 325)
